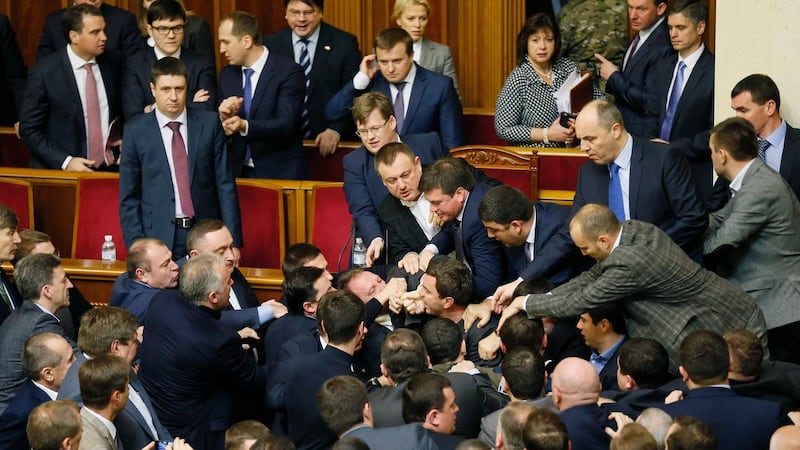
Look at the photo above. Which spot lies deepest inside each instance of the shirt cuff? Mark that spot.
(432, 248)
(65, 164)
(246, 128)
(361, 81)
(264, 314)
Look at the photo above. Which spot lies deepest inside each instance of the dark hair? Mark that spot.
(33, 273)
(704, 356)
(453, 279)
(243, 431)
(694, 10)
(99, 377)
(312, 3)
(403, 354)
(691, 434)
(745, 350)
(297, 255)
(243, 24)
(51, 422)
(37, 354)
(442, 339)
(422, 393)
(137, 256)
(298, 288)
(341, 401)
(645, 360)
(347, 276)
(100, 327)
(738, 137)
(389, 37)
(505, 204)
(521, 332)
(594, 220)
(341, 314)
(350, 443)
(544, 430)
(473, 444)
(364, 104)
(72, 20)
(8, 218)
(389, 153)
(29, 239)
(761, 88)
(534, 286)
(533, 25)
(167, 66)
(523, 369)
(613, 314)
(199, 231)
(165, 10)
(447, 174)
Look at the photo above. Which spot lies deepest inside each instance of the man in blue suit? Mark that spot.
(262, 104)
(427, 101)
(377, 126)
(164, 189)
(150, 268)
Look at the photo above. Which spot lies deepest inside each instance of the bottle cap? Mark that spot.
(108, 237)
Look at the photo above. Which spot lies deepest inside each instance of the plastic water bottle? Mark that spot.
(359, 253)
(108, 253)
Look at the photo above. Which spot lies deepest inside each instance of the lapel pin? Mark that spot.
(327, 47)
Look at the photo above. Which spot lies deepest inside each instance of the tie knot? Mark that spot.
(400, 86)
(614, 168)
(88, 66)
(681, 65)
(303, 41)
(248, 73)
(174, 126)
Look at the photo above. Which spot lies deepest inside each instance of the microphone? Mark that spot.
(350, 240)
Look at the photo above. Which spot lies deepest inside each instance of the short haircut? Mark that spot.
(37, 354)
(745, 350)
(137, 255)
(388, 154)
(523, 369)
(199, 277)
(738, 137)
(165, 10)
(29, 239)
(657, 422)
(505, 204)
(51, 422)
(403, 354)
(8, 218)
(33, 273)
(645, 360)
(423, 392)
(704, 356)
(99, 377)
(448, 175)
(298, 255)
(240, 432)
(341, 314)
(274, 442)
(389, 37)
(347, 276)
(595, 220)
(544, 430)
(633, 436)
(100, 327)
(244, 24)
(607, 114)
(691, 434)
(199, 231)
(453, 279)
(442, 339)
(350, 443)
(72, 20)
(511, 424)
(694, 10)
(364, 104)
(340, 402)
(761, 88)
(534, 286)
(402, 5)
(534, 24)
(521, 332)
(312, 3)
(473, 444)
(613, 314)
(167, 66)
(298, 288)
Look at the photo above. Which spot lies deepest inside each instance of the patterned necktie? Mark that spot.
(458, 235)
(247, 96)
(399, 107)
(763, 145)
(95, 148)
(674, 98)
(615, 201)
(5, 293)
(634, 46)
(181, 162)
(305, 63)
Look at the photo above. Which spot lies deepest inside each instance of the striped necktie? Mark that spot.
(305, 63)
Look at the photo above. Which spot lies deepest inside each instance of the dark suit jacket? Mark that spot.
(780, 384)
(275, 136)
(12, 74)
(608, 376)
(738, 421)
(199, 378)
(121, 28)
(404, 437)
(550, 218)
(51, 119)
(694, 116)
(200, 74)
(13, 421)
(484, 255)
(586, 424)
(628, 86)
(132, 295)
(364, 189)
(283, 330)
(13, 295)
(335, 62)
(147, 206)
(434, 106)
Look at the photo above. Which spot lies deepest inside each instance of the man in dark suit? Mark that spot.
(186, 339)
(603, 329)
(649, 45)
(363, 189)
(427, 101)
(428, 398)
(166, 25)
(9, 239)
(44, 286)
(12, 74)
(46, 358)
(123, 32)
(72, 98)
(681, 91)
(150, 268)
(202, 186)
(643, 374)
(262, 103)
(737, 421)
(53, 424)
(329, 57)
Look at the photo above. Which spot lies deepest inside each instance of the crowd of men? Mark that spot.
(659, 311)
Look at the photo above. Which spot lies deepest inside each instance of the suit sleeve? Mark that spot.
(199, 37)
(46, 45)
(350, 63)
(131, 40)
(35, 115)
(237, 370)
(744, 216)
(443, 240)
(134, 97)
(359, 202)
(208, 81)
(339, 105)
(130, 188)
(291, 91)
(240, 318)
(489, 264)
(12, 61)
(226, 186)
(691, 218)
(451, 117)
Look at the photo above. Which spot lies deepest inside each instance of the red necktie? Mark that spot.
(96, 149)
(181, 162)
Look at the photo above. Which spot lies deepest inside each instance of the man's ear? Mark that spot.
(684, 374)
(448, 302)
(432, 417)
(384, 372)
(629, 383)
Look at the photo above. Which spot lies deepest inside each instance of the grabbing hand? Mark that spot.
(409, 263)
(481, 312)
(424, 258)
(374, 251)
(488, 347)
(502, 296)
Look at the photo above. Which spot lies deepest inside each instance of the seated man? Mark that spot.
(104, 392)
(55, 424)
(642, 374)
(149, 269)
(603, 330)
(429, 399)
(510, 425)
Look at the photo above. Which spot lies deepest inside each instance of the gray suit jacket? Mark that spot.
(756, 239)
(95, 435)
(437, 58)
(405, 437)
(664, 294)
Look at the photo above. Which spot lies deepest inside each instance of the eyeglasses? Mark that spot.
(298, 13)
(364, 132)
(164, 31)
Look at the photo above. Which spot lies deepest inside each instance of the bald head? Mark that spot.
(575, 382)
(785, 438)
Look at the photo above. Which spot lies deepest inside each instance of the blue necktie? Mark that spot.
(615, 201)
(248, 101)
(763, 145)
(305, 63)
(674, 97)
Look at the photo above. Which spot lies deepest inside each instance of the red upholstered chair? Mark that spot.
(97, 214)
(263, 223)
(18, 195)
(330, 223)
(514, 166)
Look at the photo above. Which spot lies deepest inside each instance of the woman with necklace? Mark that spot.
(526, 113)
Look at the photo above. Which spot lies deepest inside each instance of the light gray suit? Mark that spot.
(664, 294)
(95, 435)
(437, 58)
(756, 236)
